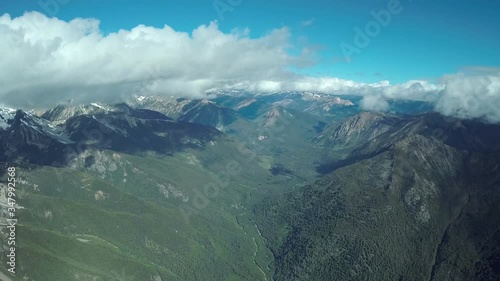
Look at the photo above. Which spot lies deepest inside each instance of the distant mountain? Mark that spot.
(170, 106)
(333, 107)
(314, 103)
(250, 108)
(61, 113)
(278, 132)
(360, 128)
(199, 111)
(208, 113)
(6, 117)
(32, 139)
(270, 129)
(276, 118)
(132, 134)
(319, 104)
(67, 130)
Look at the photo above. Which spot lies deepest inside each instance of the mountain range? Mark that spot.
(245, 186)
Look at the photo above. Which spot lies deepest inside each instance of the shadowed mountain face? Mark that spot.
(204, 112)
(130, 134)
(33, 139)
(402, 203)
(47, 141)
(209, 113)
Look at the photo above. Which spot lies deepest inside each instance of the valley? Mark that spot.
(279, 186)
(232, 140)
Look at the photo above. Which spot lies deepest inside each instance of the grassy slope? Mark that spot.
(131, 228)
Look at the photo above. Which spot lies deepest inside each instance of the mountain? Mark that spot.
(61, 113)
(313, 103)
(360, 128)
(68, 130)
(130, 134)
(208, 113)
(330, 106)
(170, 106)
(282, 136)
(33, 139)
(367, 134)
(199, 111)
(319, 104)
(273, 131)
(6, 117)
(138, 196)
(251, 187)
(287, 127)
(404, 207)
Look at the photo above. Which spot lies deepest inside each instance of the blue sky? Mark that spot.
(426, 40)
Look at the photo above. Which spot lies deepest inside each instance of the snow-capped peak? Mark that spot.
(6, 114)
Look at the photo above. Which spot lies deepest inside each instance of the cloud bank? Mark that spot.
(49, 60)
(471, 96)
(72, 58)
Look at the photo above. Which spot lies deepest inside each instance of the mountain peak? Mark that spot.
(367, 124)
(6, 116)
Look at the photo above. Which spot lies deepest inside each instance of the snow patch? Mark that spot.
(99, 106)
(6, 114)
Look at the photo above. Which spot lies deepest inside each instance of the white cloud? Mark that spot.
(49, 60)
(466, 96)
(471, 96)
(411, 90)
(374, 103)
(75, 58)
